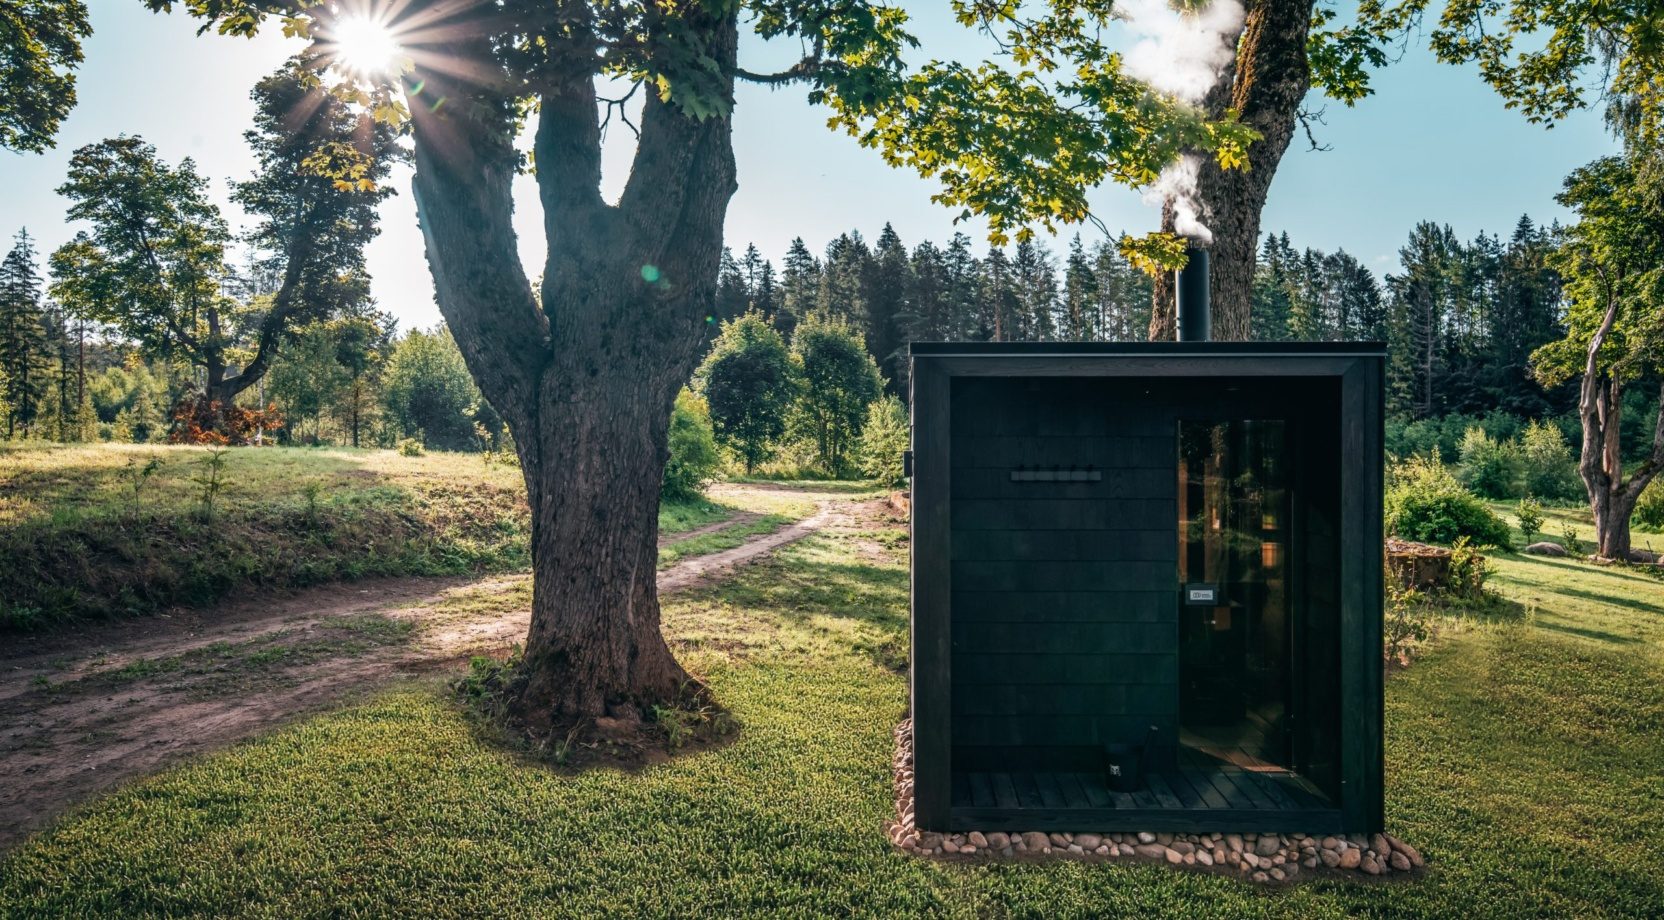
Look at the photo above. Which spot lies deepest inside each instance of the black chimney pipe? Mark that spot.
(1193, 300)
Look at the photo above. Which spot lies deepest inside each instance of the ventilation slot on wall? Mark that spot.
(1056, 474)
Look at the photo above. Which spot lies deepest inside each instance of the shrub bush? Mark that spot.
(1425, 502)
(1530, 514)
(411, 447)
(693, 456)
(883, 441)
(1649, 510)
(1490, 467)
(1550, 471)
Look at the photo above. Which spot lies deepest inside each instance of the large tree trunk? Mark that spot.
(1612, 498)
(1266, 84)
(586, 381)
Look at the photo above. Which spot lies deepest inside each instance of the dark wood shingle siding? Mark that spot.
(1063, 628)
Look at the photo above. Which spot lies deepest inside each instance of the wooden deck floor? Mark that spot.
(1205, 793)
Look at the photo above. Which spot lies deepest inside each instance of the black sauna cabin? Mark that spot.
(1159, 558)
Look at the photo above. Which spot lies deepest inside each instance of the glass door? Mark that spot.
(1234, 623)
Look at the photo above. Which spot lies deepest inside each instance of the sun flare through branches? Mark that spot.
(364, 46)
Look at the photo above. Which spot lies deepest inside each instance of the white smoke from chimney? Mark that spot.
(1177, 184)
(1181, 52)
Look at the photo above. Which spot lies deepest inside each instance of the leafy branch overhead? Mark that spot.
(1020, 138)
(1546, 58)
(40, 47)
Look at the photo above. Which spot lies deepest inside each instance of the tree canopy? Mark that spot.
(40, 47)
(153, 263)
(1546, 58)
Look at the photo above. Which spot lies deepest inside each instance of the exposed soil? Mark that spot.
(83, 711)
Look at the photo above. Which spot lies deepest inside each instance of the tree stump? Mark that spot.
(1418, 565)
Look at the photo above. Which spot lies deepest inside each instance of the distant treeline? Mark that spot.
(1461, 318)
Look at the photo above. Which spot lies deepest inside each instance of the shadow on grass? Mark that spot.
(1593, 634)
(1616, 600)
(804, 588)
(1577, 568)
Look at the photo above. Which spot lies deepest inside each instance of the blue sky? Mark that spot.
(1433, 143)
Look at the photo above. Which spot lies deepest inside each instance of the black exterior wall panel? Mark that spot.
(1045, 612)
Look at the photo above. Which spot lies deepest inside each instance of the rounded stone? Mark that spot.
(1350, 857)
(1409, 851)
(976, 839)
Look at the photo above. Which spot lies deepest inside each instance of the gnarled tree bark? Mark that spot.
(587, 378)
(1265, 84)
(1612, 498)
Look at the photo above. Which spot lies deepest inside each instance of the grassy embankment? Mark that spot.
(86, 532)
(1526, 759)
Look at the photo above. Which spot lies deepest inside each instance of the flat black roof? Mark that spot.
(1149, 349)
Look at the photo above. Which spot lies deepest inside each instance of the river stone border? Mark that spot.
(1257, 857)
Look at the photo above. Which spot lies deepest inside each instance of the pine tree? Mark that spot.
(928, 318)
(997, 303)
(889, 281)
(23, 346)
(963, 272)
(843, 290)
(1124, 295)
(733, 297)
(766, 297)
(751, 266)
(1080, 295)
(1421, 303)
(799, 288)
(1036, 283)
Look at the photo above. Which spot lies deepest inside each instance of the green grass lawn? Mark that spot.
(1525, 759)
(85, 536)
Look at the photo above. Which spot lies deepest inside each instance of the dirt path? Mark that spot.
(82, 712)
(737, 519)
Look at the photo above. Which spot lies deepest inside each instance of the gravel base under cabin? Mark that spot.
(1258, 857)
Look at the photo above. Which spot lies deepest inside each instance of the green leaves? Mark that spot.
(1020, 139)
(1615, 252)
(1023, 138)
(1545, 57)
(40, 47)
